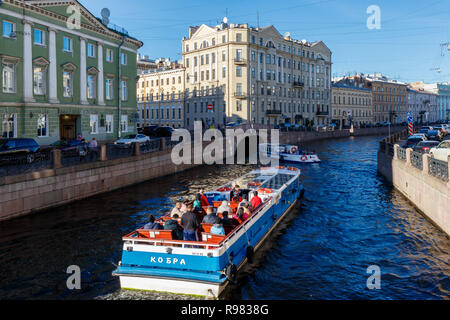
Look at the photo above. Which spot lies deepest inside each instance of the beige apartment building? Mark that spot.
(256, 75)
(160, 96)
(351, 104)
(236, 73)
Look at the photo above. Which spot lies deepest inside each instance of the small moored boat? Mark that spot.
(153, 260)
(287, 153)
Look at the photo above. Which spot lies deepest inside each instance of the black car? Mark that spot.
(13, 150)
(434, 135)
(148, 130)
(163, 132)
(425, 146)
(68, 148)
(412, 142)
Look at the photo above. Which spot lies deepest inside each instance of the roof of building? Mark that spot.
(349, 86)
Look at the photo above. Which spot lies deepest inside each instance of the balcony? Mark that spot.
(322, 113)
(240, 61)
(273, 113)
(298, 84)
(240, 95)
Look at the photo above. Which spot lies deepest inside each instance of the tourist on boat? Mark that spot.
(236, 193)
(256, 200)
(152, 225)
(210, 217)
(190, 224)
(217, 229)
(177, 210)
(172, 224)
(202, 198)
(224, 207)
(239, 214)
(197, 207)
(245, 204)
(247, 214)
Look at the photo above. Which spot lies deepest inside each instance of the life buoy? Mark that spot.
(224, 189)
(254, 184)
(292, 169)
(265, 191)
(304, 158)
(280, 167)
(293, 150)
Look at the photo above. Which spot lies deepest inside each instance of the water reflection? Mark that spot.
(349, 220)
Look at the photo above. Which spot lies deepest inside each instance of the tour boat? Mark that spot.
(287, 153)
(153, 260)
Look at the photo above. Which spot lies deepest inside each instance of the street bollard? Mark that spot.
(408, 156)
(56, 159)
(103, 153)
(425, 158)
(163, 144)
(137, 148)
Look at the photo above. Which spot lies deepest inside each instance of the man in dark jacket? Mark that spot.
(172, 224)
(190, 225)
(210, 217)
(152, 225)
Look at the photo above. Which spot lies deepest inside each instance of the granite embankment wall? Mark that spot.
(414, 179)
(45, 189)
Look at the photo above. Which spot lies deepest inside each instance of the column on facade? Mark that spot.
(100, 77)
(27, 62)
(53, 76)
(83, 73)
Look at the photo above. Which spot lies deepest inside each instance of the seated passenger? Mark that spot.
(217, 229)
(256, 200)
(190, 224)
(196, 207)
(247, 214)
(177, 210)
(224, 207)
(239, 214)
(152, 225)
(172, 224)
(210, 217)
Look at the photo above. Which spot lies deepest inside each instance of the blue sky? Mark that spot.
(406, 47)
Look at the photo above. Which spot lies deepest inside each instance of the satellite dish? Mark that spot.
(303, 41)
(105, 16)
(225, 20)
(287, 34)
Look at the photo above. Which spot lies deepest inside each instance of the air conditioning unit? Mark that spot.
(12, 34)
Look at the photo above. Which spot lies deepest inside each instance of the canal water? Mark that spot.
(350, 220)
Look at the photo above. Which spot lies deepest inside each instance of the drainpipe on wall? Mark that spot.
(119, 96)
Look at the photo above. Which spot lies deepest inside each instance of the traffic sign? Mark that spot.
(210, 107)
(410, 119)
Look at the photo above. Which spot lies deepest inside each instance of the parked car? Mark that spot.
(442, 151)
(148, 130)
(13, 150)
(413, 140)
(440, 128)
(68, 148)
(164, 132)
(434, 135)
(425, 146)
(131, 138)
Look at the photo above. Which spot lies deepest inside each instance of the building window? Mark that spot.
(39, 37)
(9, 126)
(67, 44)
(124, 59)
(238, 71)
(68, 83)
(109, 89)
(238, 105)
(93, 123)
(224, 72)
(9, 29)
(91, 50)
(124, 90)
(238, 37)
(91, 92)
(109, 123)
(124, 123)
(9, 78)
(109, 55)
(42, 125)
(39, 80)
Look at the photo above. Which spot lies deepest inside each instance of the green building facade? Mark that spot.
(64, 73)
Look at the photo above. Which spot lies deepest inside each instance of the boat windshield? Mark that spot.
(277, 181)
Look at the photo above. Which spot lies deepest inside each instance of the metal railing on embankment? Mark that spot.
(24, 164)
(422, 161)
